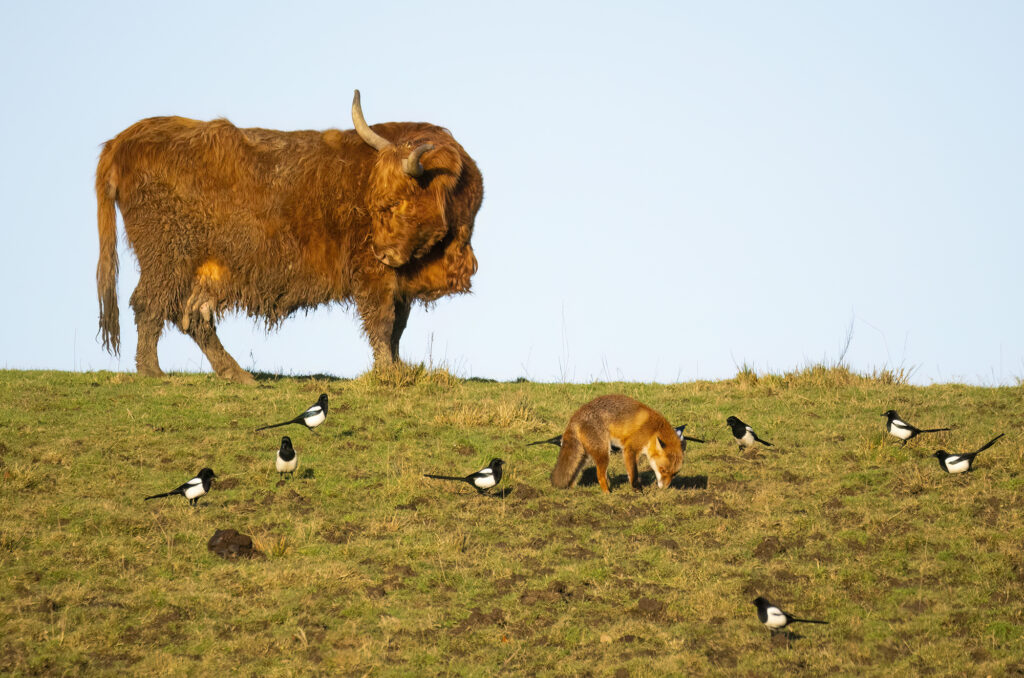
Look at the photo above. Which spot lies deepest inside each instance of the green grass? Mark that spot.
(369, 568)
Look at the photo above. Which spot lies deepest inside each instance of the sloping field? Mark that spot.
(368, 568)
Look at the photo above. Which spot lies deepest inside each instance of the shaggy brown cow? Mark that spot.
(271, 222)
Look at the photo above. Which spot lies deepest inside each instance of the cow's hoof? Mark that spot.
(239, 376)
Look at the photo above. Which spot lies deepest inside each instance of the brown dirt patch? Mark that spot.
(231, 544)
(414, 504)
(650, 607)
(341, 534)
(477, 618)
(769, 548)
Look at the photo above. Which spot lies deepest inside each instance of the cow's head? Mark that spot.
(414, 192)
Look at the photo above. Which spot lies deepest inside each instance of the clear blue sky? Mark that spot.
(672, 189)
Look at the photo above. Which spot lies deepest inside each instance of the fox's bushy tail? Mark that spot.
(571, 458)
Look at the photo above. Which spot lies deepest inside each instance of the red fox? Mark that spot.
(620, 421)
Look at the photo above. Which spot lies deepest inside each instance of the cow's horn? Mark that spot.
(363, 130)
(412, 165)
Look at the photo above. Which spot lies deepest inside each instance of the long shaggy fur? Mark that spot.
(269, 222)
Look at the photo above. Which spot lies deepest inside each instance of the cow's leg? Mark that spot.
(402, 309)
(150, 324)
(149, 329)
(378, 310)
(204, 334)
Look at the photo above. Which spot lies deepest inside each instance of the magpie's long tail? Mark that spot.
(933, 430)
(557, 440)
(427, 475)
(990, 443)
(763, 442)
(808, 621)
(283, 423)
(692, 440)
(157, 496)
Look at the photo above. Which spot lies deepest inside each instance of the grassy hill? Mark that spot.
(371, 569)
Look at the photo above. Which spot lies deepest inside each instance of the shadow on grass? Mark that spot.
(502, 493)
(266, 377)
(588, 478)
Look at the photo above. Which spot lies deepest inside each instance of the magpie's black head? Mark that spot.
(732, 421)
(939, 454)
(891, 414)
(206, 473)
(286, 443)
(761, 602)
(496, 463)
(322, 401)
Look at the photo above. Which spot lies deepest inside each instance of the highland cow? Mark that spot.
(270, 222)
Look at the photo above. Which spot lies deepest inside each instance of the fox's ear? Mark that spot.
(661, 443)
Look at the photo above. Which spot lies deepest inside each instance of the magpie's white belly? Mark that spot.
(776, 620)
(315, 420)
(287, 466)
(194, 491)
(957, 464)
(901, 433)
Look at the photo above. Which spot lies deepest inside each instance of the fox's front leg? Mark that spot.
(601, 462)
(629, 456)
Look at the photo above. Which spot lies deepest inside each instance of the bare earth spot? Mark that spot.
(524, 491)
(579, 553)
(341, 534)
(769, 548)
(414, 504)
(649, 607)
(511, 581)
(230, 544)
(477, 618)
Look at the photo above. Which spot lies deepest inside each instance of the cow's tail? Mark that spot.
(106, 269)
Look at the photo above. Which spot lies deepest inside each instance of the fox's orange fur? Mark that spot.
(621, 421)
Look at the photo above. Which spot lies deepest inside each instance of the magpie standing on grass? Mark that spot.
(557, 440)
(775, 618)
(482, 480)
(193, 489)
(744, 435)
(902, 430)
(287, 461)
(961, 463)
(311, 418)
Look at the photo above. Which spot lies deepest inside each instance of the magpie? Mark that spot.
(482, 480)
(743, 434)
(902, 430)
(959, 463)
(774, 618)
(311, 418)
(286, 461)
(557, 440)
(193, 489)
(684, 438)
